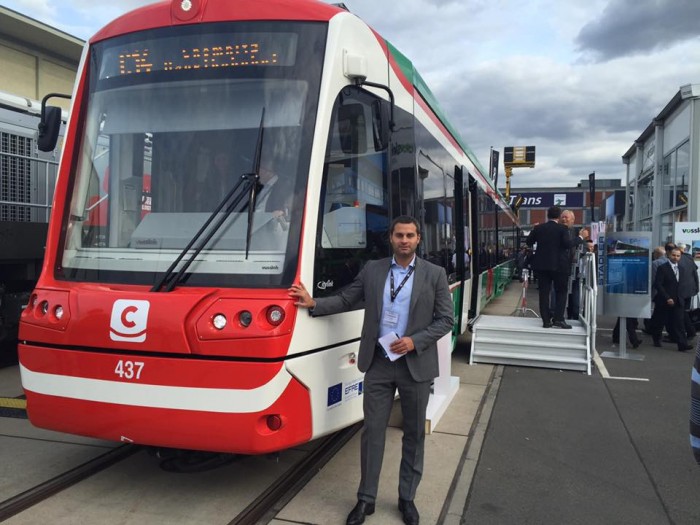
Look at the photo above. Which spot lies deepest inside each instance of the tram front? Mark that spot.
(161, 316)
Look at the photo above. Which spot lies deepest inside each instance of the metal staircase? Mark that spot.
(522, 341)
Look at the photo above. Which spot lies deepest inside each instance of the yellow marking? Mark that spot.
(10, 402)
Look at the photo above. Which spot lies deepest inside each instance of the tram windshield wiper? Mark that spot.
(249, 185)
(252, 199)
(234, 197)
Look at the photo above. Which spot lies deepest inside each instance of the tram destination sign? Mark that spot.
(198, 52)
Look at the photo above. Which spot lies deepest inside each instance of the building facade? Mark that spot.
(36, 59)
(533, 209)
(662, 169)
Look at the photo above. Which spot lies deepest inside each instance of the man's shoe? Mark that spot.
(636, 344)
(546, 324)
(561, 324)
(409, 512)
(684, 348)
(357, 514)
(657, 343)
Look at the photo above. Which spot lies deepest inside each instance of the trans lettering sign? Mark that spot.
(545, 200)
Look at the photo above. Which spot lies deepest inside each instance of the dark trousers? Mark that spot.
(687, 323)
(672, 317)
(380, 384)
(546, 280)
(631, 327)
(574, 304)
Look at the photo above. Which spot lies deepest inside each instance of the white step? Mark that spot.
(524, 341)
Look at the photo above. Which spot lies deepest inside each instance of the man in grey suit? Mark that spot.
(406, 299)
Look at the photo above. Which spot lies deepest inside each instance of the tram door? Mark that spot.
(461, 258)
(476, 262)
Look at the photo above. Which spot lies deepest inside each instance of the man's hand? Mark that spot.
(304, 299)
(402, 346)
(670, 302)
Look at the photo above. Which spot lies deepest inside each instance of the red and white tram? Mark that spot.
(161, 316)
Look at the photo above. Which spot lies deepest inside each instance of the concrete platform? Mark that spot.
(540, 446)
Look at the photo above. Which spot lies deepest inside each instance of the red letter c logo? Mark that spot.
(126, 322)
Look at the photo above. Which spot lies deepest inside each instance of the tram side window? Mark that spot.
(438, 213)
(486, 230)
(354, 203)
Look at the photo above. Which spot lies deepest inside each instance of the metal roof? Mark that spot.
(684, 92)
(29, 33)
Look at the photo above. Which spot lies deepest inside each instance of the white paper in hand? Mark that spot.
(386, 341)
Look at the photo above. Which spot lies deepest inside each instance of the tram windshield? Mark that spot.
(171, 125)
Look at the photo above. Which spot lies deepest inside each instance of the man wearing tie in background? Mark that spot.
(406, 299)
(668, 302)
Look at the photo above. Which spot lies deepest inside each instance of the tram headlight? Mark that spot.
(219, 321)
(275, 315)
(58, 312)
(245, 318)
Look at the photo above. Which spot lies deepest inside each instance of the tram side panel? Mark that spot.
(346, 219)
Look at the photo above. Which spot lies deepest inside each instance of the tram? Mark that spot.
(218, 151)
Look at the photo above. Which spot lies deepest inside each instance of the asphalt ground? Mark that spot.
(565, 447)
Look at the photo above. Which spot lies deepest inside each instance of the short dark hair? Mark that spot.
(554, 212)
(404, 219)
(669, 246)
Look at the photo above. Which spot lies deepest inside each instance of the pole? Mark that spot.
(509, 172)
(591, 190)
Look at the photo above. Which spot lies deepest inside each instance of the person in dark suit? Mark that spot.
(406, 298)
(553, 244)
(569, 265)
(275, 193)
(668, 302)
(689, 287)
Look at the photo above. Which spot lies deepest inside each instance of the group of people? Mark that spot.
(556, 244)
(674, 278)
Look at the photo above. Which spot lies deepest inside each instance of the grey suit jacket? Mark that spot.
(431, 313)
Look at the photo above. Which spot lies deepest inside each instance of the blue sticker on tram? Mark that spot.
(335, 395)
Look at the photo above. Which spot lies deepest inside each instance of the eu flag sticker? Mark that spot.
(335, 395)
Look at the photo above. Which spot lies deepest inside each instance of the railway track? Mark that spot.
(43, 491)
(262, 509)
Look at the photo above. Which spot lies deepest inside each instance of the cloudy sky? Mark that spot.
(578, 79)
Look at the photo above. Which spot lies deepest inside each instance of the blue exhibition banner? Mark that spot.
(628, 265)
(627, 288)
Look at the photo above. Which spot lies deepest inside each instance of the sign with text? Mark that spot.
(627, 287)
(545, 200)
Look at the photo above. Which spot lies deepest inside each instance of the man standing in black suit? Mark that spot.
(553, 244)
(668, 302)
(689, 287)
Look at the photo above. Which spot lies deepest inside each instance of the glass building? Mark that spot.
(662, 169)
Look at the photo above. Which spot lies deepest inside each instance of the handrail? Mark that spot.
(589, 294)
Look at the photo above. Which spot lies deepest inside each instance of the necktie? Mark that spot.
(675, 271)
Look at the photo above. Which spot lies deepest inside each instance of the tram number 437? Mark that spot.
(129, 369)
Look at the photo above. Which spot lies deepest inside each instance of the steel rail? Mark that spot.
(266, 506)
(43, 491)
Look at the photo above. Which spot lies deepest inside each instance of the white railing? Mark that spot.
(589, 300)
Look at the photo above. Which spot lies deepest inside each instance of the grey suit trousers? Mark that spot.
(380, 384)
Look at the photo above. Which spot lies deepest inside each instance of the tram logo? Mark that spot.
(129, 321)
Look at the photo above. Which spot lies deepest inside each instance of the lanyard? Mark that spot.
(395, 293)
